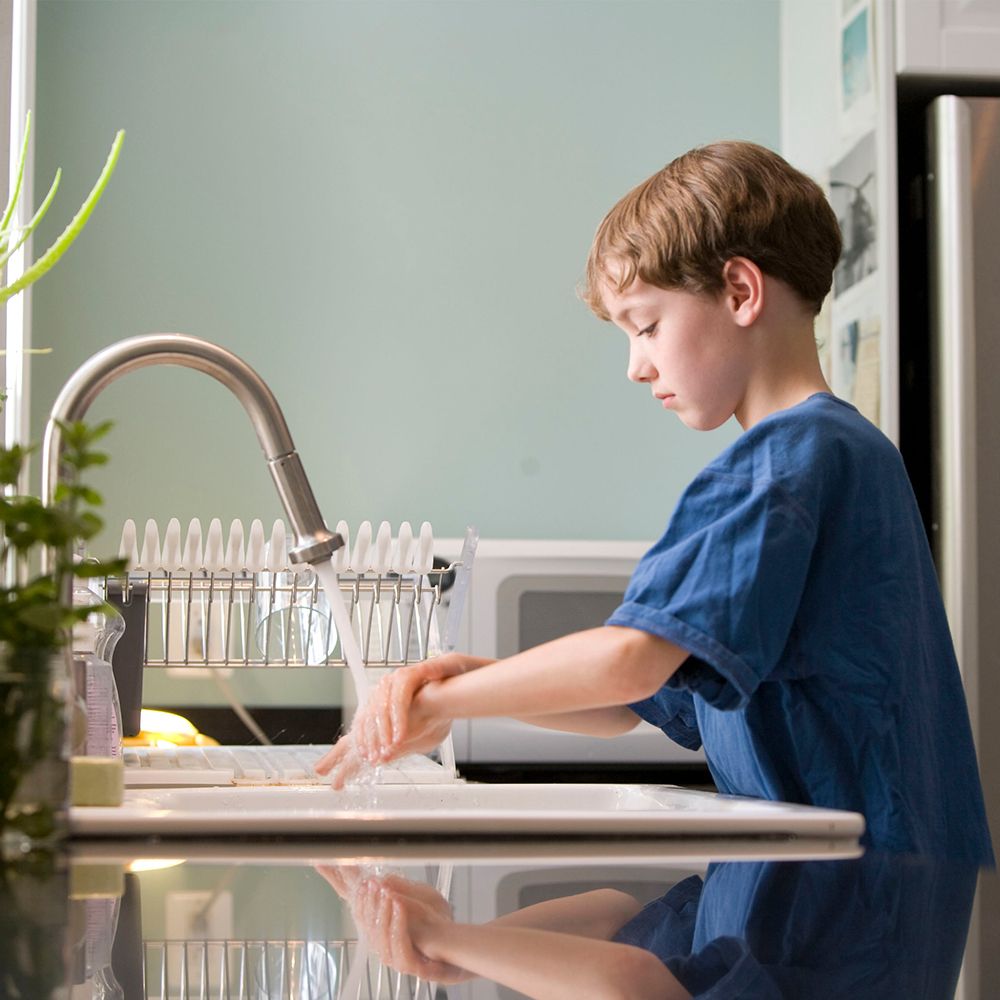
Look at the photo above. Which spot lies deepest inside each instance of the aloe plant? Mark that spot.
(13, 237)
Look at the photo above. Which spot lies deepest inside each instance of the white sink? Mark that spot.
(456, 809)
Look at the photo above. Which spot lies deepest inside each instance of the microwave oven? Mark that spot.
(525, 592)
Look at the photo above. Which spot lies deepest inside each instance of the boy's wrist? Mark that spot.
(427, 702)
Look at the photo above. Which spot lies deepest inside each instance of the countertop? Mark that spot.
(334, 919)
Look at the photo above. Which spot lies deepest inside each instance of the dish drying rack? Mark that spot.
(206, 605)
(290, 969)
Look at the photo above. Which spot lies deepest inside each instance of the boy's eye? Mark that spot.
(648, 331)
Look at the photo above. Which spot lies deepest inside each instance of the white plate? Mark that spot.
(456, 809)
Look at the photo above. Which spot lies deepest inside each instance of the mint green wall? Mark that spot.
(385, 208)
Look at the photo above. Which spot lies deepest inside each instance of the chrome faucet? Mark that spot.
(314, 543)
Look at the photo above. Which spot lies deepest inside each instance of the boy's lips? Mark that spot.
(666, 398)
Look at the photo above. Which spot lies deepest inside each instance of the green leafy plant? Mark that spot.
(34, 613)
(37, 613)
(36, 607)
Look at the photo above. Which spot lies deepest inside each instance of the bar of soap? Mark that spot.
(96, 880)
(96, 781)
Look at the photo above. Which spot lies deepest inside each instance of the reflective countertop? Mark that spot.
(487, 920)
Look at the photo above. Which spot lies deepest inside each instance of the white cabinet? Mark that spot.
(948, 37)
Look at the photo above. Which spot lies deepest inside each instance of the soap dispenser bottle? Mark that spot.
(94, 639)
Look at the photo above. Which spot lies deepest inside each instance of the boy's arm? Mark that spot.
(591, 675)
(597, 914)
(604, 722)
(604, 667)
(551, 964)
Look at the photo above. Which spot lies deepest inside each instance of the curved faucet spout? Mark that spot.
(314, 543)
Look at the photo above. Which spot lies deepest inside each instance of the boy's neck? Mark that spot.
(784, 397)
(788, 371)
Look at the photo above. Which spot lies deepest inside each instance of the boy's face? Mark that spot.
(687, 347)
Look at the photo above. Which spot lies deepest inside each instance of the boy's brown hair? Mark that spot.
(729, 199)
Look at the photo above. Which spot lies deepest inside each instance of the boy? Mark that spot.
(789, 619)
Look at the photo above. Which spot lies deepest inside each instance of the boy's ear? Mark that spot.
(743, 291)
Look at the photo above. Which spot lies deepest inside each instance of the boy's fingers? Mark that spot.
(326, 763)
(346, 766)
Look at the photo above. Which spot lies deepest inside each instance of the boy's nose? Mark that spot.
(639, 368)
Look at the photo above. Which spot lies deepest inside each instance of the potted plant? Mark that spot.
(36, 611)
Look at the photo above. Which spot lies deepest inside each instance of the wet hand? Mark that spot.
(343, 762)
(392, 723)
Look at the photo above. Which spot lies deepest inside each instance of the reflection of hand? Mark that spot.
(344, 880)
(395, 916)
(392, 723)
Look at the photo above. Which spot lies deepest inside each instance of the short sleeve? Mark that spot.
(724, 583)
(673, 711)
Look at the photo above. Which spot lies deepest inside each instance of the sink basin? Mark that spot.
(463, 809)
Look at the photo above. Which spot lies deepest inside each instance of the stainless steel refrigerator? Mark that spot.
(949, 212)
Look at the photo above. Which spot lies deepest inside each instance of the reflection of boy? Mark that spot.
(879, 926)
(559, 947)
(789, 619)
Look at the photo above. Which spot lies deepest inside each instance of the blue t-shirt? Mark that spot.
(797, 574)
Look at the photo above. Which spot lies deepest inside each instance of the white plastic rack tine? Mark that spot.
(150, 558)
(129, 547)
(402, 558)
(423, 552)
(214, 556)
(170, 555)
(341, 558)
(194, 557)
(362, 548)
(255, 547)
(382, 555)
(235, 552)
(277, 558)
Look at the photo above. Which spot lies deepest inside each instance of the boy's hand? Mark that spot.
(392, 723)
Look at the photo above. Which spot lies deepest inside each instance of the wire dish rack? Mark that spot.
(224, 618)
(277, 970)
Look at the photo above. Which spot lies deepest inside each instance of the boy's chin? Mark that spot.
(702, 421)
